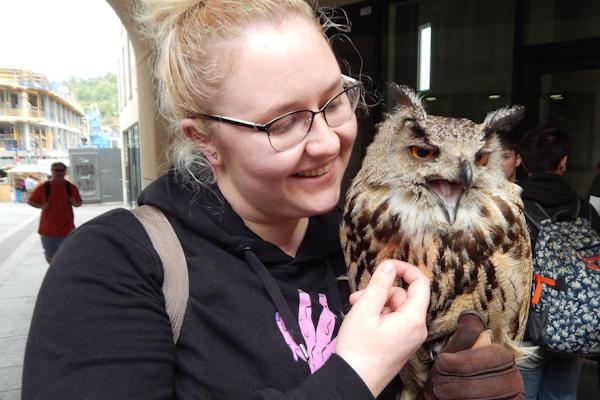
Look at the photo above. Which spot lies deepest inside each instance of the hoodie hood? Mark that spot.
(548, 189)
(206, 212)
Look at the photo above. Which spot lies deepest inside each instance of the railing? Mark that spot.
(11, 112)
(17, 112)
(8, 144)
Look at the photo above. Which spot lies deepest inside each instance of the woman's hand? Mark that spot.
(386, 324)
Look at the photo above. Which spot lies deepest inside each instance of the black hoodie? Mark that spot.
(100, 330)
(554, 194)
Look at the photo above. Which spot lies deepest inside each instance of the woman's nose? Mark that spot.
(321, 138)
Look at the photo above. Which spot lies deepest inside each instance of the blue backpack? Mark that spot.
(564, 315)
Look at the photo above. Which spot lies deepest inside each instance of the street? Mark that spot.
(22, 268)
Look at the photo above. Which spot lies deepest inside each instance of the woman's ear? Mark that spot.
(201, 140)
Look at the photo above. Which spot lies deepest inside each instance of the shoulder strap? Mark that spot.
(46, 190)
(166, 243)
(586, 210)
(535, 213)
(577, 208)
(47, 187)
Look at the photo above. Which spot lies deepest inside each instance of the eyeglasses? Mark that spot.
(290, 129)
(58, 170)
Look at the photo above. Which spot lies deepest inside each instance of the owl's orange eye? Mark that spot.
(481, 159)
(423, 153)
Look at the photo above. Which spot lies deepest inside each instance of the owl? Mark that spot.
(431, 192)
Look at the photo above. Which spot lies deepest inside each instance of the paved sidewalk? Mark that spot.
(22, 268)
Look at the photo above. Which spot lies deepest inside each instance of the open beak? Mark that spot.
(449, 193)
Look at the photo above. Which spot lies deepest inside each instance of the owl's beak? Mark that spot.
(466, 175)
(449, 193)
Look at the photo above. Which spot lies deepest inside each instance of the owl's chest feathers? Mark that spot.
(458, 263)
(468, 262)
(457, 258)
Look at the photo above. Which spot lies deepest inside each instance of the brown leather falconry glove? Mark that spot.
(470, 367)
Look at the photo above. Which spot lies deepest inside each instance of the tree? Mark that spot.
(101, 93)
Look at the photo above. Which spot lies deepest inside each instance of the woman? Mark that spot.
(264, 316)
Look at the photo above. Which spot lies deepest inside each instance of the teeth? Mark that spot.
(316, 172)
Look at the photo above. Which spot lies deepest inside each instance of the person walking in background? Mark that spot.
(30, 184)
(544, 153)
(56, 198)
(20, 191)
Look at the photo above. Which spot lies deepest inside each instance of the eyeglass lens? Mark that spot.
(289, 130)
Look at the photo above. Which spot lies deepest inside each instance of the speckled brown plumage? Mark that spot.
(431, 192)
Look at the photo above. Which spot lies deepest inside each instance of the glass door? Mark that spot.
(133, 173)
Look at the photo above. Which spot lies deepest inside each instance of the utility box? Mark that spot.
(97, 174)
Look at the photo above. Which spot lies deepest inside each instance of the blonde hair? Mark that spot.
(191, 64)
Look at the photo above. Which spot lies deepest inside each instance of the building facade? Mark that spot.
(100, 136)
(38, 119)
(129, 120)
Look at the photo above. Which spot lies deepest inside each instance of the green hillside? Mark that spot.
(98, 92)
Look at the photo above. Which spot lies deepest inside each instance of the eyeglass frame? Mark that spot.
(265, 127)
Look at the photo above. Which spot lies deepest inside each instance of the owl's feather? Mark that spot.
(431, 192)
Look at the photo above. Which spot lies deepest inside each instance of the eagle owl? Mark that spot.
(431, 192)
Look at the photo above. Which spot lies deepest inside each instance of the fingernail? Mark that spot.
(387, 266)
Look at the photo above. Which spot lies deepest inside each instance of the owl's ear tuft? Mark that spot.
(405, 97)
(502, 119)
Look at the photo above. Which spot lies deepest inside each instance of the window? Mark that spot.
(424, 77)
(550, 21)
(459, 52)
(14, 100)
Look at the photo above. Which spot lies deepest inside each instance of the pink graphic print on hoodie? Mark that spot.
(319, 341)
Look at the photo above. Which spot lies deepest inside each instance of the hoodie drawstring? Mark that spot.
(334, 290)
(281, 304)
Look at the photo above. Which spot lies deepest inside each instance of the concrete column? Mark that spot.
(54, 111)
(47, 103)
(153, 135)
(26, 142)
(24, 104)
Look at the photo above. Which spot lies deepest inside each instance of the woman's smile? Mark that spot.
(315, 172)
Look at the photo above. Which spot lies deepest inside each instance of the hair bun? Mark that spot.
(158, 17)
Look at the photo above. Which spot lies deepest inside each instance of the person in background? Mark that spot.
(30, 184)
(20, 191)
(510, 157)
(56, 198)
(544, 153)
(263, 123)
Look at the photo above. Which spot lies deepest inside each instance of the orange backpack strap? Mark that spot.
(539, 281)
